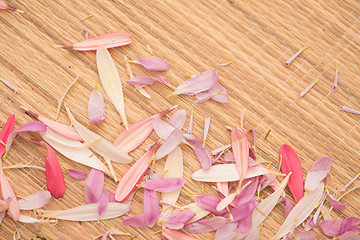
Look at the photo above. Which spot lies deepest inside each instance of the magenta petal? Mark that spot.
(162, 128)
(206, 225)
(179, 219)
(203, 154)
(153, 64)
(178, 119)
(217, 93)
(96, 107)
(209, 203)
(170, 143)
(151, 208)
(350, 224)
(200, 83)
(33, 126)
(146, 80)
(135, 221)
(77, 174)
(103, 201)
(288, 206)
(318, 171)
(164, 184)
(245, 224)
(227, 232)
(350, 236)
(247, 193)
(244, 210)
(336, 204)
(94, 185)
(331, 227)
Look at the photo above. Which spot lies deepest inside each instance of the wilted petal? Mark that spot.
(94, 185)
(179, 219)
(77, 174)
(200, 83)
(128, 182)
(135, 221)
(335, 204)
(5, 132)
(103, 201)
(290, 162)
(146, 80)
(108, 40)
(27, 127)
(151, 207)
(164, 184)
(34, 201)
(216, 92)
(137, 133)
(96, 107)
(209, 203)
(162, 128)
(170, 234)
(170, 143)
(318, 171)
(206, 225)
(227, 232)
(202, 153)
(152, 63)
(240, 147)
(8, 192)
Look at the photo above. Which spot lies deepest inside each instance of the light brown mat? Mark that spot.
(193, 36)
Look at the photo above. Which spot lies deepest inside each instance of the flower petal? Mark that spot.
(335, 204)
(111, 82)
(162, 128)
(191, 122)
(206, 127)
(78, 174)
(8, 192)
(5, 132)
(288, 206)
(227, 232)
(164, 184)
(178, 119)
(202, 153)
(206, 225)
(242, 211)
(4, 6)
(336, 77)
(179, 219)
(96, 107)
(217, 93)
(350, 236)
(151, 207)
(9, 85)
(103, 201)
(290, 162)
(170, 234)
(135, 221)
(291, 59)
(318, 171)
(94, 185)
(240, 147)
(34, 201)
(200, 213)
(153, 64)
(3, 206)
(108, 40)
(209, 203)
(170, 143)
(349, 110)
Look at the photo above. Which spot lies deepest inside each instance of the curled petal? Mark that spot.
(164, 184)
(108, 40)
(146, 80)
(94, 185)
(318, 171)
(153, 64)
(77, 174)
(202, 153)
(151, 207)
(34, 201)
(5, 132)
(170, 143)
(96, 107)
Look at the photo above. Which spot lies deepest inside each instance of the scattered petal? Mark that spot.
(336, 77)
(169, 234)
(206, 128)
(78, 174)
(111, 82)
(335, 204)
(202, 153)
(291, 59)
(179, 219)
(308, 88)
(318, 171)
(103, 201)
(350, 236)
(217, 93)
(152, 63)
(242, 211)
(343, 189)
(209, 203)
(248, 192)
(34, 201)
(164, 184)
(94, 185)
(349, 110)
(8, 192)
(288, 206)
(227, 232)
(9, 85)
(96, 107)
(206, 225)
(151, 207)
(135, 221)
(4, 205)
(108, 40)
(240, 147)
(170, 143)
(178, 119)
(5, 132)
(191, 121)
(200, 213)
(4, 6)
(162, 128)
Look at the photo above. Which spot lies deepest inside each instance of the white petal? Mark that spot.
(34, 201)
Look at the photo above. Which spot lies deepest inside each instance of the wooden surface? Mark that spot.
(193, 36)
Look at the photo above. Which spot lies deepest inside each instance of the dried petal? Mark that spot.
(291, 59)
(318, 171)
(240, 147)
(152, 64)
(135, 221)
(335, 204)
(94, 185)
(308, 88)
(179, 219)
(217, 93)
(128, 182)
(137, 133)
(5, 132)
(200, 83)
(111, 82)
(349, 110)
(170, 143)
(206, 127)
(169, 234)
(336, 77)
(108, 40)
(34, 201)
(8, 192)
(103, 201)
(146, 80)
(290, 162)
(87, 212)
(151, 207)
(164, 184)
(96, 107)
(202, 153)
(9, 85)
(173, 168)
(78, 174)
(206, 225)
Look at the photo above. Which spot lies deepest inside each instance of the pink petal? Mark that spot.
(240, 147)
(350, 224)
(170, 143)
(308, 88)
(179, 219)
(153, 64)
(103, 201)
(290, 162)
(108, 40)
(34, 201)
(291, 59)
(94, 185)
(200, 83)
(227, 232)
(4, 6)
(245, 224)
(223, 187)
(96, 107)
(244, 210)
(77, 174)
(178, 119)
(216, 92)
(4, 205)
(128, 182)
(248, 192)
(8, 192)
(162, 128)
(336, 204)
(318, 171)
(164, 184)
(350, 236)
(169, 234)
(2, 215)
(331, 227)
(5, 132)
(137, 133)
(209, 203)
(229, 157)
(202, 153)
(61, 128)
(27, 127)
(135, 221)
(206, 225)
(106, 235)
(206, 127)
(349, 110)
(302, 235)
(288, 206)
(151, 207)
(146, 80)
(9, 85)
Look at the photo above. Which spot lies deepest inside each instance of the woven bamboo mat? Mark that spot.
(193, 36)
